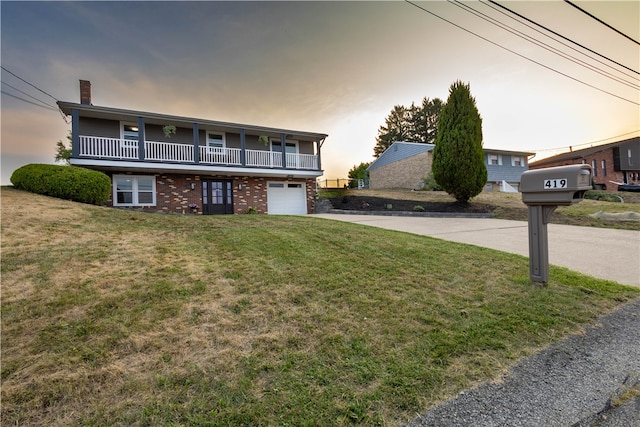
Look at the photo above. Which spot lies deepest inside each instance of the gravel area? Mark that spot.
(588, 379)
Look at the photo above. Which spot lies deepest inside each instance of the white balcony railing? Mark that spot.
(107, 148)
(220, 156)
(169, 152)
(270, 159)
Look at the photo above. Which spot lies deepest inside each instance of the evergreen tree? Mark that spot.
(458, 160)
(397, 127)
(424, 120)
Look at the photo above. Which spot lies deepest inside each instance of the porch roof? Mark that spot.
(165, 119)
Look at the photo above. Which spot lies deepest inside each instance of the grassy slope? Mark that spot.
(112, 317)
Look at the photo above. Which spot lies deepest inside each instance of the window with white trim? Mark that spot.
(129, 134)
(594, 167)
(134, 190)
(494, 159)
(216, 139)
(603, 163)
(517, 161)
(291, 146)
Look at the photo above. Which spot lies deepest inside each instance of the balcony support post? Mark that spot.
(318, 145)
(141, 153)
(283, 146)
(75, 133)
(196, 144)
(243, 148)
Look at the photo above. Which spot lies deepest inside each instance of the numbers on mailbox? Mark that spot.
(551, 184)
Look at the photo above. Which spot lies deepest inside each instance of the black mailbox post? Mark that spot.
(543, 190)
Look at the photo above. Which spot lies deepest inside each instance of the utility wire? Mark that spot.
(25, 93)
(27, 101)
(522, 56)
(601, 21)
(555, 40)
(560, 35)
(541, 44)
(30, 84)
(586, 143)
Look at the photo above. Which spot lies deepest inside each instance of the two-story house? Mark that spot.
(612, 165)
(165, 163)
(406, 164)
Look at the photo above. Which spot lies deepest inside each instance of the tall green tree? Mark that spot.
(458, 161)
(424, 120)
(417, 123)
(63, 153)
(358, 172)
(397, 127)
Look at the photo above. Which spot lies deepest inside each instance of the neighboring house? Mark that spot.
(406, 164)
(611, 164)
(402, 165)
(504, 169)
(224, 168)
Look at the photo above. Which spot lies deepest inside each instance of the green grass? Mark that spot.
(112, 317)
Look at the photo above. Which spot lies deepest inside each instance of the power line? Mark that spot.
(25, 93)
(521, 55)
(586, 143)
(27, 101)
(541, 44)
(555, 40)
(601, 21)
(30, 84)
(560, 35)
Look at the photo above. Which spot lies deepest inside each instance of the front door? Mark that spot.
(217, 197)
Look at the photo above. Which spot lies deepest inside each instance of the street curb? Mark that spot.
(417, 214)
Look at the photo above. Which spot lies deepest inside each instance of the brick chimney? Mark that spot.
(85, 92)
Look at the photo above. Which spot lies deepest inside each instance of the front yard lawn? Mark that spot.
(111, 317)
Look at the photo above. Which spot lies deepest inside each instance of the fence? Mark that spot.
(340, 183)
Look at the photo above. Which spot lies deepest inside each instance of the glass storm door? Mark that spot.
(217, 197)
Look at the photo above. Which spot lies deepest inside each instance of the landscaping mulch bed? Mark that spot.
(366, 203)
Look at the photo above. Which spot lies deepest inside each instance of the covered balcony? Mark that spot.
(96, 147)
(118, 140)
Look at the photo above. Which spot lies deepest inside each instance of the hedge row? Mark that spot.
(64, 182)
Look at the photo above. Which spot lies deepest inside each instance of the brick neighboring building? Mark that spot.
(612, 164)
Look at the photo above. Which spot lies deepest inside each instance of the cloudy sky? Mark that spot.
(328, 67)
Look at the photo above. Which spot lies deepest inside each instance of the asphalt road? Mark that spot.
(599, 252)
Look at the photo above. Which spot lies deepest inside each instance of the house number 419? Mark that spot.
(555, 183)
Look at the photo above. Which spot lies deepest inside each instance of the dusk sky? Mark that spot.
(328, 67)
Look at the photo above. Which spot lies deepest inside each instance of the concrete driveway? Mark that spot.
(599, 252)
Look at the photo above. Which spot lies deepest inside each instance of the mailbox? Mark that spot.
(543, 190)
(557, 186)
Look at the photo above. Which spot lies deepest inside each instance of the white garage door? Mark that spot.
(286, 198)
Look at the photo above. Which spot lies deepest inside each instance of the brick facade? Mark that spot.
(174, 193)
(602, 177)
(405, 174)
